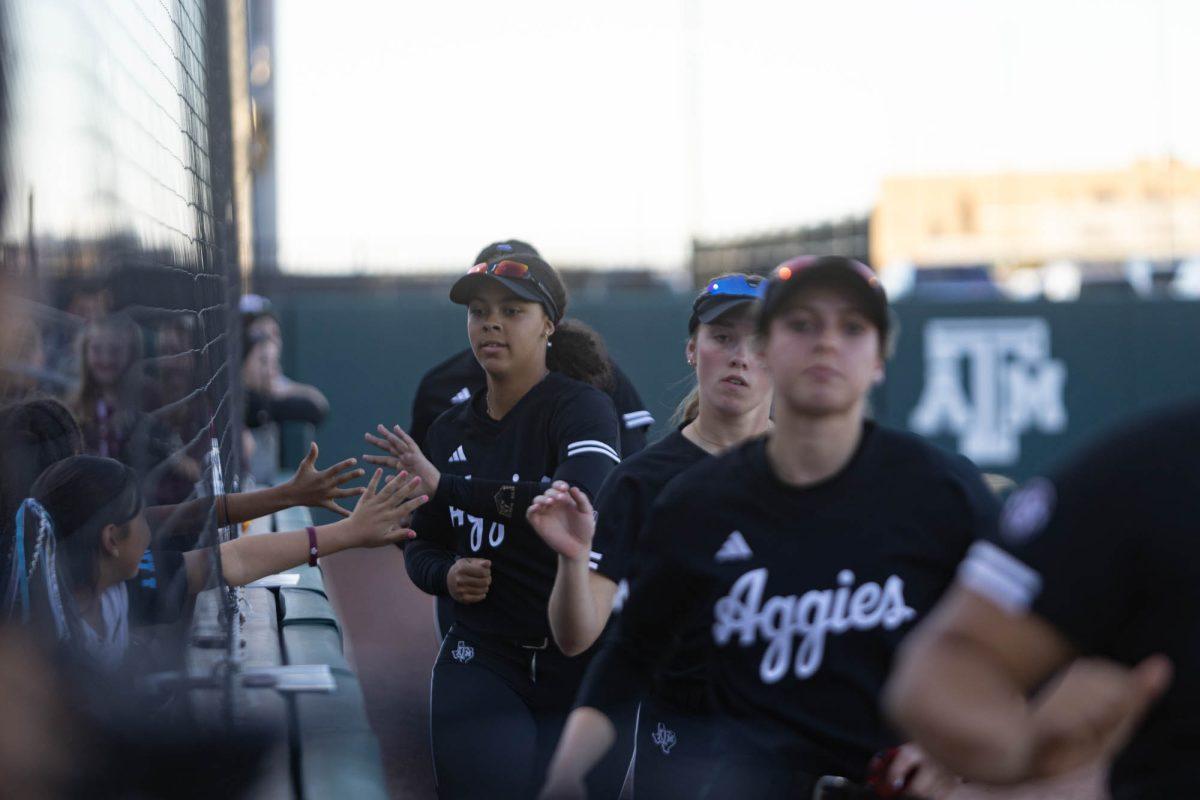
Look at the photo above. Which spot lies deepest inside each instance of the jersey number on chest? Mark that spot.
(495, 530)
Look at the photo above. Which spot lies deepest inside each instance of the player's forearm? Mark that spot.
(968, 715)
(245, 506)
(427, 565)
(249, 558)
(493, 499)
(585, 740)
(181, 518)
(575, 619)
(230, 509)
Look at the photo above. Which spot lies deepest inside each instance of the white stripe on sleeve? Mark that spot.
(604, 451)
(637, 419)
(999, 577)
(592, 446)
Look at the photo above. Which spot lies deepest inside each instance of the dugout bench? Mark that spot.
(326, 747)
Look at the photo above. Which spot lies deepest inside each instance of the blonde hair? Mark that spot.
(688, 408)
(83, 400)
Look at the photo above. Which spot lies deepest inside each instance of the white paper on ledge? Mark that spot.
(275, 581)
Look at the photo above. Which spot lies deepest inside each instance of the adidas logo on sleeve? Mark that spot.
(459, 455)
(464, 394)
(734, 549)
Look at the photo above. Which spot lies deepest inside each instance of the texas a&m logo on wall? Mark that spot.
(988, 381)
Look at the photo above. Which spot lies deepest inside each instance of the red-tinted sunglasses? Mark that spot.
(794, 266)
(505, 269)
(517, 271)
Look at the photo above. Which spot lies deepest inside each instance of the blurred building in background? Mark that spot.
(1149, 211)
(761, 252)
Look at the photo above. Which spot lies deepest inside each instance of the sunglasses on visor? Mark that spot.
(515, 270)
(735, 286)
(795, 266)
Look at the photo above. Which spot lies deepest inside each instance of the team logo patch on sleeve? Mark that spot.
(506, 499)
(1028, 510)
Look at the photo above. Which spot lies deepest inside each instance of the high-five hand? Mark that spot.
(320, 488)
(380, 515)
(403, 454)
(562, 516)
(1092, 709)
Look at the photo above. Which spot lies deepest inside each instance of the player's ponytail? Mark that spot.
(687, 410)
(578, 352)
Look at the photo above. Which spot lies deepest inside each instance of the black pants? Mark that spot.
(497, 708)
(443, 615)
(676, 750)
(734, 777)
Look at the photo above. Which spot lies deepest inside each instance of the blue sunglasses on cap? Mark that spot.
(721, 294)
(749, 286)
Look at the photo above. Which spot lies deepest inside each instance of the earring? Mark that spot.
(691, 362)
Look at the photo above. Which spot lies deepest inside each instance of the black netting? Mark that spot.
(120, 289)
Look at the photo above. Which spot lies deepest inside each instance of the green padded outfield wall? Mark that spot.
(1012, 386)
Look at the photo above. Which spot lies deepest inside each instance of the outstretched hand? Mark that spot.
(563, 517)
(381, 515)
(1092, 709)
(321, 488)
(402, 454)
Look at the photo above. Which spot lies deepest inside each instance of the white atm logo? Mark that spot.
(1010, 385)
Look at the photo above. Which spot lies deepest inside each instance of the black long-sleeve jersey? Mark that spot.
(625, 499)
(491, 470)
(453, 381)
(806, 592)
(1107, 550)
(622, 508)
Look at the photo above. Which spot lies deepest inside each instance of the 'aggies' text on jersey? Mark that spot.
(805, 593)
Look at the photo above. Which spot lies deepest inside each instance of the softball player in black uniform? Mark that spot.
(731, 403)
(1101, 559)
(455, 380)
(808, 553)
(501, 688)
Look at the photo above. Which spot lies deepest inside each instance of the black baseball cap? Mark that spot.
(722, 294)
(802, 272)
(525, 275)
(507, 247)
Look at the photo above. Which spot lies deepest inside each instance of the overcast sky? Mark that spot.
(410, 134)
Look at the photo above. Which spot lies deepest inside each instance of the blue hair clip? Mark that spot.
(22, 577)
(43, 550)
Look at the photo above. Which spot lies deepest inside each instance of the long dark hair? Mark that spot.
(34, 434)
(83, 494)
(575, 349)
